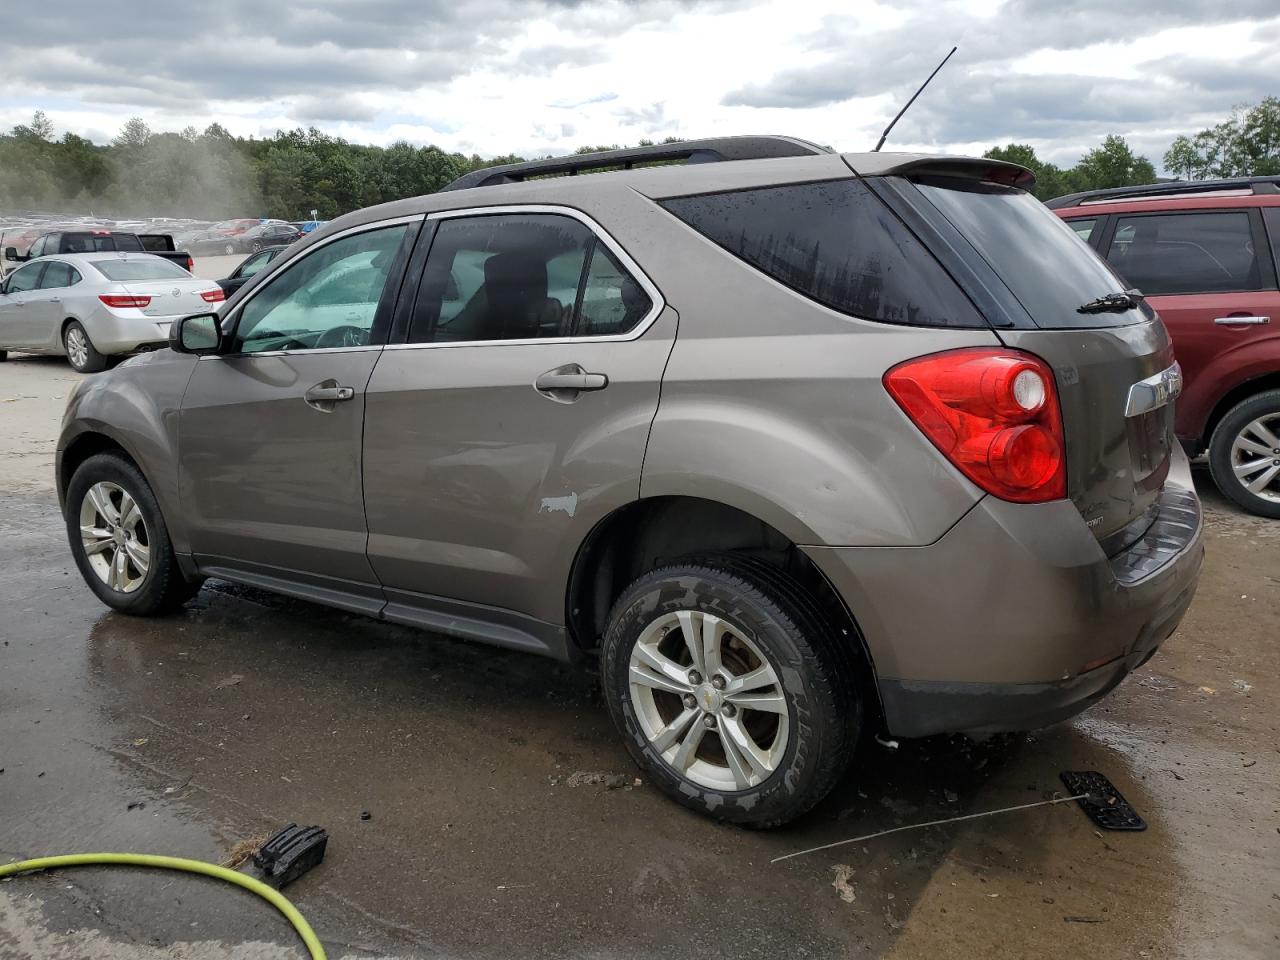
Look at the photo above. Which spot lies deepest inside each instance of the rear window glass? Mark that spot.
(836, 243)
(1039, 257)
(1186, 253)
(122, 271)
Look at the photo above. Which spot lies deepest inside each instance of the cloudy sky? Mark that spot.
(545, 76)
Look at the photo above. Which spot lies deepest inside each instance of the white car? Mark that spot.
(90, 306)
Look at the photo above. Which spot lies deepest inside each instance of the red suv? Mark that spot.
(1206, 255)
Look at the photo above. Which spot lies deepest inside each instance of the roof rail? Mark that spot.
(713, 150)
(1170, 187)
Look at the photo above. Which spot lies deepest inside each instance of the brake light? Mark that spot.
(213, 296)
(993, 413)
(112, 300)
(191, 265)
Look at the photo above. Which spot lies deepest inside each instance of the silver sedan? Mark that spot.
(90, 306)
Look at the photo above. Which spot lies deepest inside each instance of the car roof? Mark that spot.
(679, 179)
(1253, 191)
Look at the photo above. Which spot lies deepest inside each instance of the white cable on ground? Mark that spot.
(931, 823)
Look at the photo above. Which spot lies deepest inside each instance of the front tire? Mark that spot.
(1244, 454)
(229, 249)
(726, 683)
(81, 353)
(119, 539)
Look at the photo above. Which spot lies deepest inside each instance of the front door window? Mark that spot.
(327, 299)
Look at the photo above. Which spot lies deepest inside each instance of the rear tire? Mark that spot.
(756, 738)
(1245, 450)
(81, 353)
(123, 551)
(229, 249)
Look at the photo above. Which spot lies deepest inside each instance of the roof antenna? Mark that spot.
(885, 136)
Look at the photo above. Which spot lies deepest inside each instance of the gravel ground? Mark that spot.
(247, 711)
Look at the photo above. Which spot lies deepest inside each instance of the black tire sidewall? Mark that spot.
(821, 718)
(1224, 435)
(164, 585)
(94, 361)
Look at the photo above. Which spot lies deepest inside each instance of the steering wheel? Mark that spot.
(347, 335)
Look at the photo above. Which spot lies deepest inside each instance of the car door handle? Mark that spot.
(572, 381)
(325, 393)
(55, 299)
(1241, 321)
(569, 379)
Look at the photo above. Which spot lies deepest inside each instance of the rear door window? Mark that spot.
(834, 242)
(1039, 257)
(1172, 253)
(56, 274)
(523, 276)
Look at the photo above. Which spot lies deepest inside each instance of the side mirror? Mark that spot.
(11, 253)
(198, 334)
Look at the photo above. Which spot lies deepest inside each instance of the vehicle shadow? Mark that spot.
(494, 827)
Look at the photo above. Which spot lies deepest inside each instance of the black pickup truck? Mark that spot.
(92, 241)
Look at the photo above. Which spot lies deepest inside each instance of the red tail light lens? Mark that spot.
(213, 296)
(111, 300)
(993, 413)
(191, 265)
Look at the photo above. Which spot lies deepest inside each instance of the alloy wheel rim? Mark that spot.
(1255, 457)
(77, 348)
(708, 700)
(116, 541)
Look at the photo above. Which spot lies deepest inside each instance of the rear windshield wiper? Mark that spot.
(1112, 303)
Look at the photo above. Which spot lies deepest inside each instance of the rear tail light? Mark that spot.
(111, 300)
(191, 265)
(993, 413)
(213, 296)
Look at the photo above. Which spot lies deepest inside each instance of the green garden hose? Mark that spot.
(267, 893)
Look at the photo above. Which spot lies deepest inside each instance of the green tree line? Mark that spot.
(212, 174)
(1247, 144)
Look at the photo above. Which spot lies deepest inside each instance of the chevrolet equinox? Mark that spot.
(800, 444)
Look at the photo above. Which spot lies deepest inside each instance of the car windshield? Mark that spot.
(123, 271)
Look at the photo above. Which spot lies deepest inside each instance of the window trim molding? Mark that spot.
(658, 302)
(233, 317)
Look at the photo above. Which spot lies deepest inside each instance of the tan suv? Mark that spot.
(799, 443)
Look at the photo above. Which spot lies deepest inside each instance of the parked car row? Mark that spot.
(19, 232)
(799, 445)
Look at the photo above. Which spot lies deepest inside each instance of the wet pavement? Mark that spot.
(487, 836)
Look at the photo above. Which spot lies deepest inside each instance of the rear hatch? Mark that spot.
(1119, 432)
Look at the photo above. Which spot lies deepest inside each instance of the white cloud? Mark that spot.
(545, 76)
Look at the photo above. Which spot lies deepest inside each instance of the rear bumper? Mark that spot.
(1016, 618)
(114, 334)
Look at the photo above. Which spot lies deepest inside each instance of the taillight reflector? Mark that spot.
(993, 413)
(213, 296)
(112, 300)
